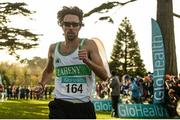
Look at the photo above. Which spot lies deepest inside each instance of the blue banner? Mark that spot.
(142, 111)
(158, 63)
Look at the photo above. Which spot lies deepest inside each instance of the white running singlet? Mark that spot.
(73, 80)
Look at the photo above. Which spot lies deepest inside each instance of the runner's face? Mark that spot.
(71, 27)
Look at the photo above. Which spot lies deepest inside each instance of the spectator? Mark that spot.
(172, 103)
(27, 93)
(115, 93)
(135, 97)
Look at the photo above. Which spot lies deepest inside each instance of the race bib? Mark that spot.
(73, 85)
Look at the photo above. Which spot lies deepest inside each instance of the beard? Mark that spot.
(71, 36)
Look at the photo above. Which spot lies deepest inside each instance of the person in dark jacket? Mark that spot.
(115, 93)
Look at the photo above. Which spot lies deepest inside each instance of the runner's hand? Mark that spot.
(83, 55)
(39, 89)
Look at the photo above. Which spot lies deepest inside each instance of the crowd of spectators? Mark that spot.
(133, 89)
(23, 92)
(172, 94)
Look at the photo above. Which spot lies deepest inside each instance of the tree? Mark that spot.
(5, 79)
(166, 23)
(32, 70)
(126, 54)
(36, 63)
(10, 72)
(24, 75)
(35, 67)
(14, 39)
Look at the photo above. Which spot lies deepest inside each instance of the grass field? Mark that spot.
(32, 109)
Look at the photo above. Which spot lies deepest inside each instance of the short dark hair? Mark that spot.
(69, 10)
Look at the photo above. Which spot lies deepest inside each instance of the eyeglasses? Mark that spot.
(68, 24)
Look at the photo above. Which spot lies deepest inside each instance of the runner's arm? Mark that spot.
(48, 71)
(95, 61)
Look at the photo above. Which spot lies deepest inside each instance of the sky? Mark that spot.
(45, 22)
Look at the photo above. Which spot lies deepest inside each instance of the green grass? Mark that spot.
(22, 109)
(32, 109)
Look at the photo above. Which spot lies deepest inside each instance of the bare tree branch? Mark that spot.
(106, 6)
(176, 15)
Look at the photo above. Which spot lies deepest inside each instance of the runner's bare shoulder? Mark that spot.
(51, 50)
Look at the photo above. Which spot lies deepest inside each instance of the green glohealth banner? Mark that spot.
(158, 56)
(102, 105)
(142, 111)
